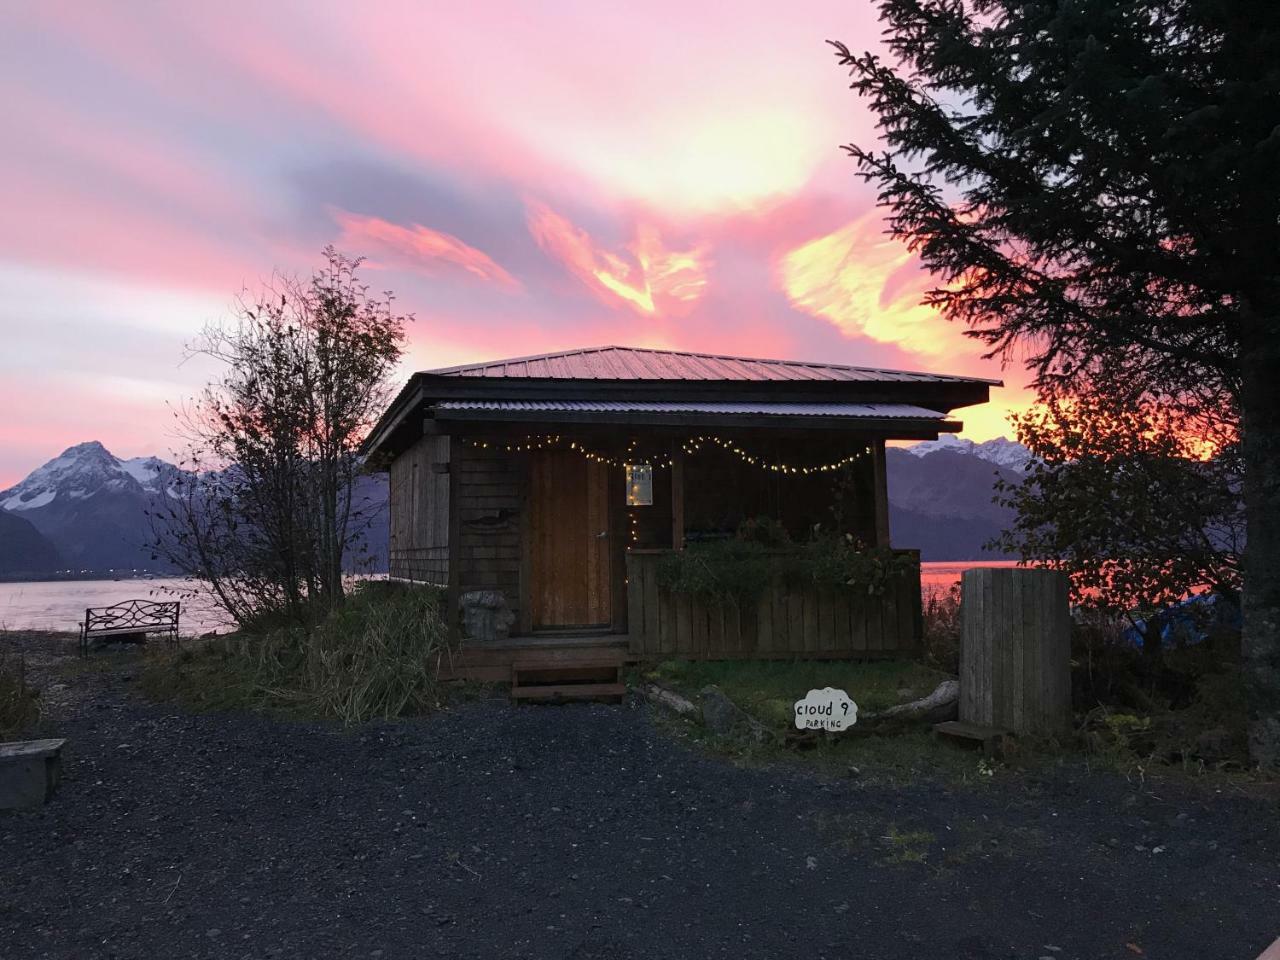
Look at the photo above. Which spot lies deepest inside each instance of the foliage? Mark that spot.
(19, 703)
(942, 626)
(1093, 184)
(764, 530)
(719, 572)
(267, 511)
(739, 571)
(1118, 496)
(376, 655)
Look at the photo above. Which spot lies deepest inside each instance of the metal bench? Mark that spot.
(129, 622)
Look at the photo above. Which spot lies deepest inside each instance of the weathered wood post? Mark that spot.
(1015, 650)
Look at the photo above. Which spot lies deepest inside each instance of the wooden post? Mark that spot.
(1015, 650)
(880, 484)
(677, 500)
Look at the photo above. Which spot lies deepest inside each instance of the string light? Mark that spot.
(694, 445)
(691, 447)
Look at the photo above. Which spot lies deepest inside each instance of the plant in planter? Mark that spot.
(739, 571)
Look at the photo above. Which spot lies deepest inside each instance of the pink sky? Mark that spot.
(525, 177)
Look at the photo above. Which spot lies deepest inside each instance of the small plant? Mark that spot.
(942, 626)
(739, 571)
(19, 703)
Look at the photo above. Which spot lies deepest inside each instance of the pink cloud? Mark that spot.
(649, 278)
(419, 248)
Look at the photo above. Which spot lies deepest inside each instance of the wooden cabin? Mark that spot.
(551, 487)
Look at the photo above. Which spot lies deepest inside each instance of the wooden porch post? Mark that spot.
(454, 550)
(880, 483)
(677, 500)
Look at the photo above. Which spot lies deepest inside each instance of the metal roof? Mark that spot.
(641, 363)
(876, 411)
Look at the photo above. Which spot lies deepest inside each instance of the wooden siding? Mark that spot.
(489, 505)
(419, 498)
(786, 623)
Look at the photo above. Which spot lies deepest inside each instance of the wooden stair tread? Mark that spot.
(567, 691)
(965, 730)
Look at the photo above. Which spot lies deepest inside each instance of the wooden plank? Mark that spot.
(716, 632)
(858, 642)
(683, 637)
(779, 597)
(812, 641)
(568, 691)
(826, 621)
(881, 492)
(652, 602)
(635, 601)
(763, 637)
(795, 626)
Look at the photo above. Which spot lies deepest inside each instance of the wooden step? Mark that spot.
(568, 691)
(990, 739)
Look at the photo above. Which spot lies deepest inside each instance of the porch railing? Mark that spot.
(421, 565)
(786, 621)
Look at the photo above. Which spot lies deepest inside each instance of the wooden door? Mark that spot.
(570, 545)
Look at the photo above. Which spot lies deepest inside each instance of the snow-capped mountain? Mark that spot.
(87, 470)
(93, 506)
(1001, 451)
(90, 509)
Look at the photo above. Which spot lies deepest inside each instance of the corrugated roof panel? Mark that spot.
(871, 411)
(638, 363)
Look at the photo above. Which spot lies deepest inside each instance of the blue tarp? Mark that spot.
(1191, 621)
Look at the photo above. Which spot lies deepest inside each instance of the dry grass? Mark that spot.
(377, 656)
(19, 703)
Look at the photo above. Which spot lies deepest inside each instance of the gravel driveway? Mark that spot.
(585, 832)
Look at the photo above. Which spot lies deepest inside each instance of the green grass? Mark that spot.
(768, 689)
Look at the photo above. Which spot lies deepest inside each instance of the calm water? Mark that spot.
(59, 604)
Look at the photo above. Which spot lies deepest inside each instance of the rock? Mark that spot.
(486, 615)
(724, 718)
(719, 714)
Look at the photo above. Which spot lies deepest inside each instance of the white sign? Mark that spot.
(639, 484)
(826, 709)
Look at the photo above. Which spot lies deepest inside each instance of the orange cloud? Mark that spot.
(654, 281)
(863, 282)
(418, 247)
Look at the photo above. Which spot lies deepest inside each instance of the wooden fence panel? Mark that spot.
(786, 622)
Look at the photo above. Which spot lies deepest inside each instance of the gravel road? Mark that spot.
(587, 832)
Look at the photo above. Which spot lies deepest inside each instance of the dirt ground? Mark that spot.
(588, 831)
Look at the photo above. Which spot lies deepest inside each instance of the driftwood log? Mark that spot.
(669, 699)
(942, 704)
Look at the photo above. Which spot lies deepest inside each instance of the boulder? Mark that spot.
(725, 718)
(486, 615)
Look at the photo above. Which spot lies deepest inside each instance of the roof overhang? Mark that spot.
(434, 402)
(899, 421)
